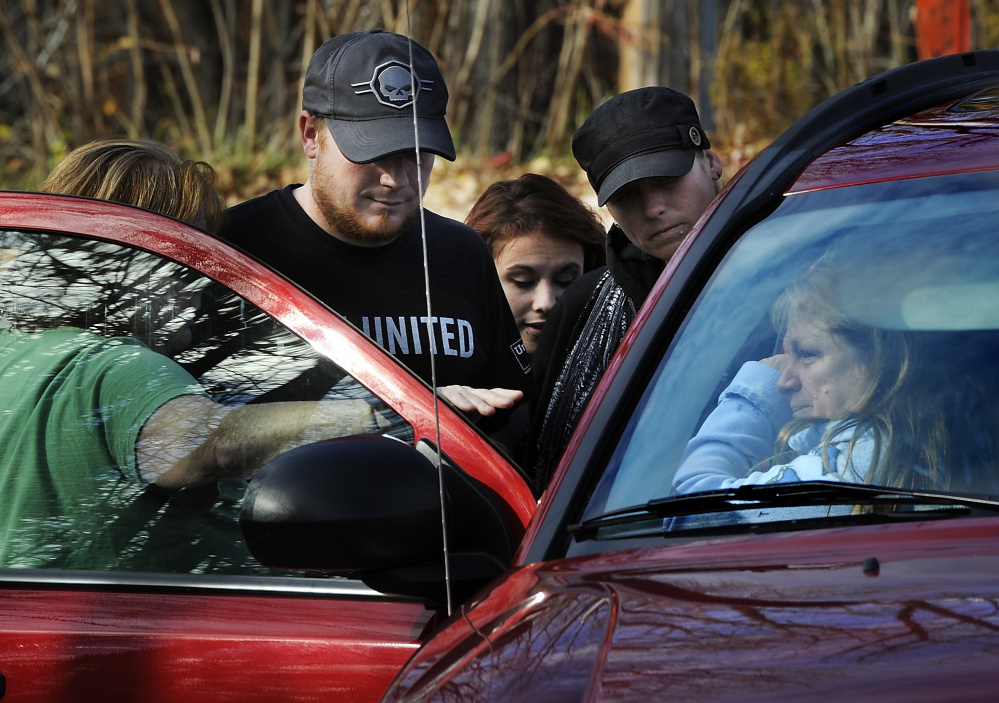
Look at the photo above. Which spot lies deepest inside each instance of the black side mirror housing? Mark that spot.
(369, 506)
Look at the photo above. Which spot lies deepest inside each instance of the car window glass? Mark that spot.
(914, 265)
(68, 309)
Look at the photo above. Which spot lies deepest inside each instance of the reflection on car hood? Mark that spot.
(888, 612)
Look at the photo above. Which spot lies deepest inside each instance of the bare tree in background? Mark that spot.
(221, 79)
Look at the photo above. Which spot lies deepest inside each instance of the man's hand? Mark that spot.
(484, 401)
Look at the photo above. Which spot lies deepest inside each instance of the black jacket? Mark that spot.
(632, 269)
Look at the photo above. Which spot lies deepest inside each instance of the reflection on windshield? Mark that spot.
(849, 337)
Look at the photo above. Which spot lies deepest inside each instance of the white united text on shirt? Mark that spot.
(408, 335)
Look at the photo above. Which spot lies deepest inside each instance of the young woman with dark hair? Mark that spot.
(542, 238)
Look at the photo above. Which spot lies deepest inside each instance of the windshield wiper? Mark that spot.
(781, 495)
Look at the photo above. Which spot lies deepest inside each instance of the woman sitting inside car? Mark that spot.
(842, 402)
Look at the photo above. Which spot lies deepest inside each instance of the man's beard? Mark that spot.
(345, 221)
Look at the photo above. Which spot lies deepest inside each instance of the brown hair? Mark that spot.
(535, 203)
(141, 173)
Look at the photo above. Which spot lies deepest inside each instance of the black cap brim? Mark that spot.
(669, 163)
(370, 140)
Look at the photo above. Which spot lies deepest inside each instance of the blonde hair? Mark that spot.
(142, 173)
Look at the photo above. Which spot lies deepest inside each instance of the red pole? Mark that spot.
(942, 27)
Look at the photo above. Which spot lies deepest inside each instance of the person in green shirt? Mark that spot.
(91, 424)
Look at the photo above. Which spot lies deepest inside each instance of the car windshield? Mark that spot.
(849, 338)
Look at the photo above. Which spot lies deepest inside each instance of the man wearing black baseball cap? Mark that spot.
(650, 162)
(373, 117)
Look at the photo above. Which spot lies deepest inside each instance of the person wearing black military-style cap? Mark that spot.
(372, 121)
(649, 161)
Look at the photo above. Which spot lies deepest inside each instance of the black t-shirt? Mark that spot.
(382, 291)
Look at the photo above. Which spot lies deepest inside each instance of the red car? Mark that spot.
(786, 486)
(859, 561)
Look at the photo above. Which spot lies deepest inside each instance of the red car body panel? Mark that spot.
(917, 603)
(945, 139)
(60, 645)
(77, 641)
(887, 154)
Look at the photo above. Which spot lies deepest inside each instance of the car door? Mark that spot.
(176, 606)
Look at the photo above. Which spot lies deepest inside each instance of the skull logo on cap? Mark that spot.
(393, 84)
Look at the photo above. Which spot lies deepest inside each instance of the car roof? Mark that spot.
(955, 137)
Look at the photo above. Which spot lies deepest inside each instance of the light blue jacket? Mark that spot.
(741, 432)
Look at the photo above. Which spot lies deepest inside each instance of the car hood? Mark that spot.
(897, 612)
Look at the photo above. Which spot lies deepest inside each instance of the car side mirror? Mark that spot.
(370, 506)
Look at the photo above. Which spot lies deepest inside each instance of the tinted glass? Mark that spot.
(96, 338)
(876, 309)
